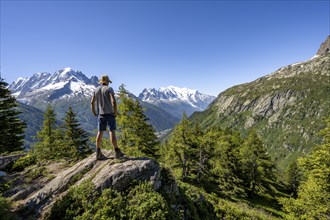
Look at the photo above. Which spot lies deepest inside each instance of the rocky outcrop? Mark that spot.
(275, 90)
(263, 106)
(325, 47)
(5, 160)
(115, 173)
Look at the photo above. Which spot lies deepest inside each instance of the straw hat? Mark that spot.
(105, 79)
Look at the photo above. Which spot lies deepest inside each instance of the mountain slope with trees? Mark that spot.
(286, 107)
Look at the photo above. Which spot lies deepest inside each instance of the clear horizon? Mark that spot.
(209, 46)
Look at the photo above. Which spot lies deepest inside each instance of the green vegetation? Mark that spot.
(83, 202)
(55, 143)
(23, 162)
(313, 195)
(257, 166)
(294, 178)
(5, 209)
(214, 168)
(136, 135)
(226, 167)
(12, 128)
(74, 135)
(49, 138)
(286, 109)
(219, 158)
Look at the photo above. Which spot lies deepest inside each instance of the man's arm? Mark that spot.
(93, 105)
(114, 103)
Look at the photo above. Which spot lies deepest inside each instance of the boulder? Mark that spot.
(111, 172)
(5, 160)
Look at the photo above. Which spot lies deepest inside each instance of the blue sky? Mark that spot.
(204, 45)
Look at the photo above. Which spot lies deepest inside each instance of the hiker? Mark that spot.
(106, 110)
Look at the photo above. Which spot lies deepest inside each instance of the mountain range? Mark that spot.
(63, 84)
(176, 100)
(287, 108)
(68, 87)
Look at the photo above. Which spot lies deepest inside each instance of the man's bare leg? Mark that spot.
(99, 140)
(113, 140)
(99, 155)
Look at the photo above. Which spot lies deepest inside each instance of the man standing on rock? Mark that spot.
(106, 110)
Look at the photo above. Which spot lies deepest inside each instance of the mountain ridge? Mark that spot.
(64, 83)
(175, 100)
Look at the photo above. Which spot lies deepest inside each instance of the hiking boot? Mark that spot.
(99, 155)
(118, 153)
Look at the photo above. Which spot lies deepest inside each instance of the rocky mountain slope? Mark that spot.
(176, 100)
(286, 107)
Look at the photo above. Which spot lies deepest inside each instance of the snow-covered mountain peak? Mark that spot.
(67, 74)
(40, 74)
(63, 83)
(20, 80)
(177, 89)
(172, 93)
(66, 70)
(179, 92)
(189, 100)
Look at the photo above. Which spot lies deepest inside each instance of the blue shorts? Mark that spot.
(106, 120)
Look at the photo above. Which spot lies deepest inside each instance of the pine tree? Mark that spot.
(294, 177)
(74, 135)
(206, 163)
(136, 135)
(184, 144)
(49, 138)
(226, 162)
(257, 166)
(12, 128)
(201, 167)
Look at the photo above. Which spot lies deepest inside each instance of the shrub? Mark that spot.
(74, 203)
(144, 203)
(35, 173)
(110, 205)
(23, 162)
(5, 209)
(82, 202)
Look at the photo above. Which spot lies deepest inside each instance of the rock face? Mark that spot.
(115, 173)
(5, 160)
(325, 47)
